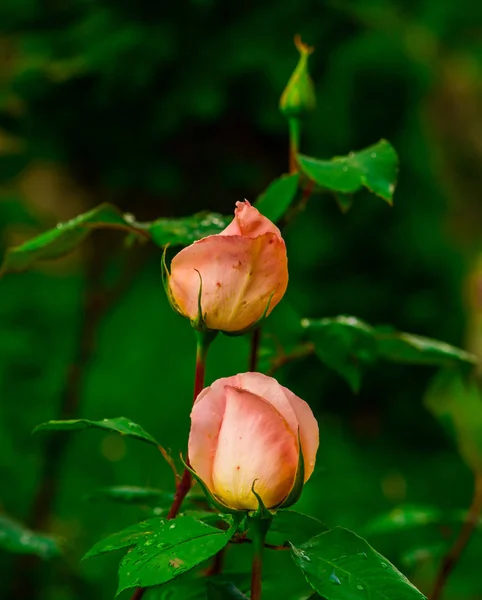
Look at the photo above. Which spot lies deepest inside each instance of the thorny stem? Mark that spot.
(203, 342)
(451, 558)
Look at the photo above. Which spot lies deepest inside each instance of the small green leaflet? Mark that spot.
(275, 201)
(374, 168)
(163, 550)
(66, 236)
(346, 344)
(119, 425)
(127, 494)
(63, 238)
(456, 402)
(292, 526)
(185, 230)
(340, 565)
(14, 537)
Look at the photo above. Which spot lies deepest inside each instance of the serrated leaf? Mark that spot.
(275, 201)
(346, 344)
(457, 403)
(295, 527)
(127, 494)
(118, 425)
(374, 168)
(340, 565)
(63, 238)
(16, 538)
(171, 549)
(187, 229)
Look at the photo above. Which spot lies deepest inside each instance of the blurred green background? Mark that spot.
(168, 108)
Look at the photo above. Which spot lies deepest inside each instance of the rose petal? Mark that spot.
(269, 389)
(239, 275)
(248, 221)
(309, 432)
(254, 444)
(206, 417)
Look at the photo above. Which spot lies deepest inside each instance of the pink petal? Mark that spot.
(271, 391)
(239, 275)
(248, 221)
(254, 444)
(206, 417)
(309, 432)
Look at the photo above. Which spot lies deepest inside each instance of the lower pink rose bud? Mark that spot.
(249, 429)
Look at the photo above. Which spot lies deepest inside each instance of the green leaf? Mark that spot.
(457, 403)
(119, 425)
(409, 348)
(171, 549)
(61, 240)
(127, 494)
(344, 344)
(347, 343)
(66, 236)
(340, 565)
(275, 201)
(14, 537)
(295, 527)
(185, 230)
(374, 168)
(401, 518)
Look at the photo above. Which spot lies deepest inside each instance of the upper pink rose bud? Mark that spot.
(249, 430)
(243, 271)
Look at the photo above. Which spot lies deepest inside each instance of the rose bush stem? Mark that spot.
(204, 340)
(295, 130)
(258, 528)
(470, 522)
(253, 355)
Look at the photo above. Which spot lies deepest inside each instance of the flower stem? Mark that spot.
(253, 356)
(470, 522)
(295, 131)
(204, 340)
(258, 528)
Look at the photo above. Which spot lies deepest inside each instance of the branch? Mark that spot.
(453, 555)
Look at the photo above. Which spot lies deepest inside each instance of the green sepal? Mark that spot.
(299, 481)
(199, 323)
(299, 95)
(165, 282)
(215, 502)
(261, 512)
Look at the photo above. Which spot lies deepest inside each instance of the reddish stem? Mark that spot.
(453, 555)
(253, 356)
(184, 485)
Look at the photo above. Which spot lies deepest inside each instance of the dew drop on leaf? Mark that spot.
(335, 579)
(359, 587)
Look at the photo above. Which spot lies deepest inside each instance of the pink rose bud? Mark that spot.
(243, 272)
(249, 429)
